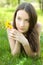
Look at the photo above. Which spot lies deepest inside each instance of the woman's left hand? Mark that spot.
(18, 36)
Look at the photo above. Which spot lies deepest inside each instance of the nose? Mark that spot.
(22, 24)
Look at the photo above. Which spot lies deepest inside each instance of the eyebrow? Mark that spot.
(20, 17)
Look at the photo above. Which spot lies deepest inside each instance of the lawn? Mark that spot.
(5, 55)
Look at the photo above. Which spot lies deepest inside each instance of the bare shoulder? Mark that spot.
(38, 27)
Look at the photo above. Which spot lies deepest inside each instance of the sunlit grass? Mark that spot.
(5, 55)
(7, 59)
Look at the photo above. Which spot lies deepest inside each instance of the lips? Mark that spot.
(21, 28)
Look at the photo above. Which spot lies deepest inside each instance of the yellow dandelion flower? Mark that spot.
(8, 25)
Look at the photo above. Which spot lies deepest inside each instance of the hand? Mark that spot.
(16, 35)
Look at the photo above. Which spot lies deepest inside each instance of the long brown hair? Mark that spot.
(31, 34)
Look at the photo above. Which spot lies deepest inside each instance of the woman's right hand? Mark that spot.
(14, 45)
(10, 33)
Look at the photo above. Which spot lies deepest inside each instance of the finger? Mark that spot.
(11, 35)
(13, 38)
(13, 31)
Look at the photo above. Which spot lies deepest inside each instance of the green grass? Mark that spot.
(5, 55)
(7, 59)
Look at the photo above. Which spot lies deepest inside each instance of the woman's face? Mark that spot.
(22, 21)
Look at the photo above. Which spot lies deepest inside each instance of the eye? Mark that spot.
(26, 20)
(19, 18)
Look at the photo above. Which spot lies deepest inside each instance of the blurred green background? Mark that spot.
(7, 9)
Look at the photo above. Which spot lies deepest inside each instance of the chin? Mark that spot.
(22, 31)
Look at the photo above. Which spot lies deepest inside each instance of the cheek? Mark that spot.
(17, 23)
(27, 25)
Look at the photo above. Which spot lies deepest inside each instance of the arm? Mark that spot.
(14, 45)
(38, 29)
(28, 50)
(23, 40)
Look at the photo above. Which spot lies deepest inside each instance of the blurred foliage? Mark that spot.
(8, 3)
(6, 14)
(7, 59)
(13, 2)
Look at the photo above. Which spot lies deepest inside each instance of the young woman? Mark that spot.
(25, 32)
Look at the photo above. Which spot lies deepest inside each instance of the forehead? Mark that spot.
(22, 13)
